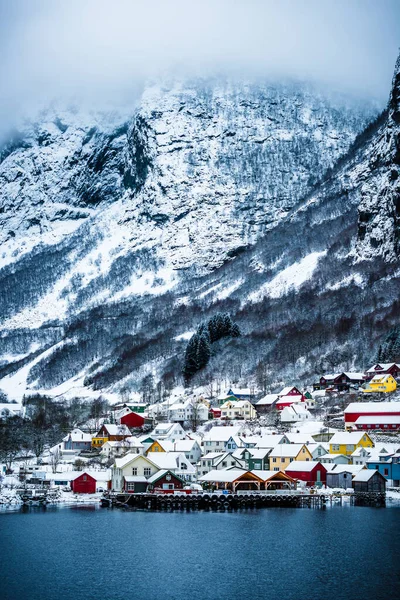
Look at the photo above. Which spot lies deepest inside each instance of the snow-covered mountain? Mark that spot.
(121, 234)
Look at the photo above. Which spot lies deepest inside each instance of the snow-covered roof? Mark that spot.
(286, 390)
(380, 378)
(300, 438)
(241, 391)
(135, 479)
(258, 452)
(384, 367)
(378, 420)
(159, 474)
(77, 435)
(364, 475)
(352, 375)
(221, 434)
(286, 450)
(223, 476)
(170, 460)
(120, 463)
(294, 398)
(344, 437)
(266, 475)
(353, 469)
(113, 429)
(371, 407)
(303, 465)
(269, 441)
(267, 400)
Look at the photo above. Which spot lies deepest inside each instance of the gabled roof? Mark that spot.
(240, 391)
(365, 475)
(372, 407)
(170, 460)
(270, 440)
(380, 378)
(285, 399)
(122, 462)
(267, 400)
(258, 452)
(287, 389)
(350, 437)
(303, 465)
(221, 434)
(353, 469)
(227, 475)
(384, 367)
(77, 435)
(135, 479)
(273, 475)
(115, 429)
(154, 478)
(286, 450)
(378, 419)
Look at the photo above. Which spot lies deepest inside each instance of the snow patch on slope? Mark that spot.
(291, 278)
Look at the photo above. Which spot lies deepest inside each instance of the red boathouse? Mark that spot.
(84, 484)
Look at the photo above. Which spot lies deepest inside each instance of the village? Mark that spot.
(340, 437)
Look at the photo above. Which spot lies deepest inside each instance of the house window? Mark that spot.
(274, 460)
(386, 471)
(224, 463)
(183, 466)
(130, 487)
(147, 472)
(85, 478)
(283, 459)
(134, 471)
(276, 468)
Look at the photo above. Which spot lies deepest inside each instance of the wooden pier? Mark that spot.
(213, 502)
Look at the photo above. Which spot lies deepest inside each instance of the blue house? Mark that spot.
(77, 440)
(388, 465)
(241, 394)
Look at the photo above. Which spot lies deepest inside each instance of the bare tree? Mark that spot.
(55, 459)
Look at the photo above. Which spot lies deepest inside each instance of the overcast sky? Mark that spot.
(108, 48)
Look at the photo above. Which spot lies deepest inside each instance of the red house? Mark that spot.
(355, 410)
(288, 396)
(392, 369)
(132, 420)
(84, 484)
(311, 472)
(215, 413)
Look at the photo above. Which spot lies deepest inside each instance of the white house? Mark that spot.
(131, 465)
(241, 409)
(176, 462)
(294, 413)
(217, 438)
(218, 461)
(168, 431)
(11, 409)
(188, 411)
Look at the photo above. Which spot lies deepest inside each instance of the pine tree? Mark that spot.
(235, 331)
(190, 366)
(203, 351)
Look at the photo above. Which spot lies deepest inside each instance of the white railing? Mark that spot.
(272, 492)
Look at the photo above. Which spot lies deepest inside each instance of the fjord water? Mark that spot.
(85, 553)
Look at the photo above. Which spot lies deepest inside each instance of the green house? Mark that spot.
(256, 458)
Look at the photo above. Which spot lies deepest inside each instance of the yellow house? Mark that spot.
(380, 383)
(242, 409)
(283, 454)
(99, 441)
(347, 442)
(156, 446)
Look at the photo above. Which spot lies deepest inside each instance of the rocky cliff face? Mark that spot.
(379, 209)
(121, 234)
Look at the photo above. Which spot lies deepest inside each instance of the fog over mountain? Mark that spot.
(181, 160)
(104, 52)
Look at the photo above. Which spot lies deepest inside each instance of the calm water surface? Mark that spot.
(85, 553)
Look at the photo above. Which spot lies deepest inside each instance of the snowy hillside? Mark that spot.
(121, 238)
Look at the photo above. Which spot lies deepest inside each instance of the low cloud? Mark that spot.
(105, 50)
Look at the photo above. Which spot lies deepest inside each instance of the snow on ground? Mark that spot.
(355, 279)
(184, 336)
(14, 385)
(291, 278)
